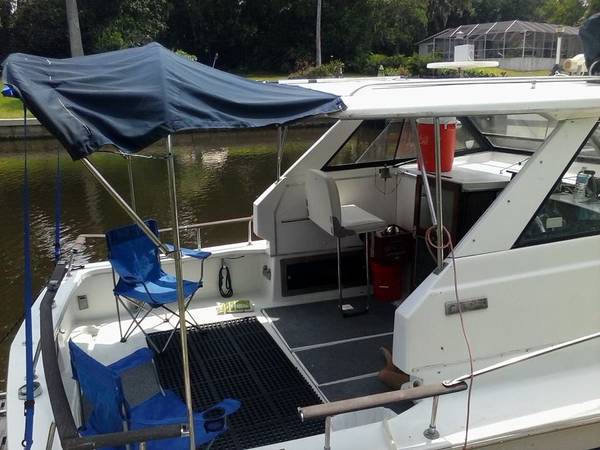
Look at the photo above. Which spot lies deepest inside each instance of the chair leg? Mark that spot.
(119, 318)
(117, 304)
(171, 334)
(135, 321)
(176, 314)
(187, 313)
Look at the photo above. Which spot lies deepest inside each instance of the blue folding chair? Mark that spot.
(143, 286)
(102, 389)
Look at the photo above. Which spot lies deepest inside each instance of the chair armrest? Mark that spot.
(227, 406)
(137, 358)
(198, 254)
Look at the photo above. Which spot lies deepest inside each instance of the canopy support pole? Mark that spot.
(415, 130)
(438, 195)
(131, 188)
(281, 134)
(130, 212)
(180, 292)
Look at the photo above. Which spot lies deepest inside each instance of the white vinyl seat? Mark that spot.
(359, 220)
(325, 210)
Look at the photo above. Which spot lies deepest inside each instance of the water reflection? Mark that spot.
(219, 175)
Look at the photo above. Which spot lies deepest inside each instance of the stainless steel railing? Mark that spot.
(80, 241)
(406, 83)
(435, 390)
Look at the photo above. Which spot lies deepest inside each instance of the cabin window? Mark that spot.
(515, 131)
(380, 142)
(572, 209)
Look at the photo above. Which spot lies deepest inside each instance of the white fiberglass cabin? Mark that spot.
(521, 206)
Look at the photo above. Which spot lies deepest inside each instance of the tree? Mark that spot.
(5, 24)
(563, 12)
(38, 27)
(440, 11)
(397, 25)
(318, 33)
(593, 7)
(73, 26)
(484, 11)
(130, 23)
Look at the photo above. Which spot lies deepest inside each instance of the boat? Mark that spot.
(490, 312)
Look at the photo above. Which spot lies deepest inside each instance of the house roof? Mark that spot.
(513, 26)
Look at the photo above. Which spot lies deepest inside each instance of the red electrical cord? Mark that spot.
(444, 245)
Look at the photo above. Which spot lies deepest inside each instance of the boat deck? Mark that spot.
(239, 359)
(273, 360)
(340, 355)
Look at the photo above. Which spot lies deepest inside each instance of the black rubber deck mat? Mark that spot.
(317, 323)
(239, 359)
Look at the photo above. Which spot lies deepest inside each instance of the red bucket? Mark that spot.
(447, 142)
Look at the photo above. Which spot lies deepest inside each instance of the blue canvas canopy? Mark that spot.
(132, 98)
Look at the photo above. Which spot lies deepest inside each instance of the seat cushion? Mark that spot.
(360, 221)
(157, 292)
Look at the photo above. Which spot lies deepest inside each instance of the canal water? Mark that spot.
(219, 175)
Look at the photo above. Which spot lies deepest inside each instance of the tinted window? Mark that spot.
(573, 208)
(515, 131)
(387, 141)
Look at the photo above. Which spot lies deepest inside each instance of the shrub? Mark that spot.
(369, 64)
(186, 55)
(395, 71)
(414, 66)
(332, 69)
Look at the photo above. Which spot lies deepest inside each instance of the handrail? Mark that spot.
(209, 224)
(80, 240)
(469, 81)
(521, 358)
(433, 390)
(371, 401)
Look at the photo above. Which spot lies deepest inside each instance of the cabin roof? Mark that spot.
(388, 97)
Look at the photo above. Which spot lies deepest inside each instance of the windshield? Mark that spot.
(515, 131)
(591, 150)
(378, 142)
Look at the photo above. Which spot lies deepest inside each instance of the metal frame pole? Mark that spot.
(281, 134)
(130, 212)
(180, 292)
(131, 188)
(438, 194)
(558, 48)
(338, 250)
(327, 444)
(431, 432)
(415, 131)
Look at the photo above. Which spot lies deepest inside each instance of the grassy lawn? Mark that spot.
(11, 108)
(498, 71)
(266, 76)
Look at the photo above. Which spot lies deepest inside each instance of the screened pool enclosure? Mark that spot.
(507, 42)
